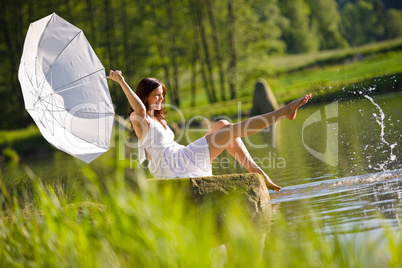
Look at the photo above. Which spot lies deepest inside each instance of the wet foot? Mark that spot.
(270, 184)
(294, 105)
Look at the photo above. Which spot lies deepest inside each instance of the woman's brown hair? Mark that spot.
(144, 89)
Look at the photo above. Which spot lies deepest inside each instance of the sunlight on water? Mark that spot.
(349, 195)
(366, 200)
(352, 204)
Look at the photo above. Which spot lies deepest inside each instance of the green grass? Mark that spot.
(273, 68)
(322, 73)
(23, 141)
(321, 81)
(329, 79)
(8, 137)
(112, 224)
(112, 221)
(288, 63)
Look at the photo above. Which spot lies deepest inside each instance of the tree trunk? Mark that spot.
(113, 63)
(218, 54)
(198, 52)
(125, 37)
(173, 52)
(91, 22)
(109, 30)
(31, 10)
(161, 46)
(206, 50)
(69, 12)
(194, 77)
(232, 50)
(14, 39)
(165, 66)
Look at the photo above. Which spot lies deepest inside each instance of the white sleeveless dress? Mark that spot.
(170, 159)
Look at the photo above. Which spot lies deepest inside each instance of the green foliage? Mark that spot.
(393, 24)
(333, 78)
(10, 155)
(300, 36)
(323, 73)
(360, 24)
(259, 26)
(292, 63)
(159, 39)
(10, 137)
(325, 16)
(144, 226)
(25, 141)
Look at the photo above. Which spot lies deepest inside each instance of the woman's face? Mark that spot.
(155, 99)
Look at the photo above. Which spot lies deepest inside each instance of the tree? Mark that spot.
(379, 10)
(199, 57)
(173, 50)
(300, 36)
(91, 21)
(260, 26)
(393, 23)
(218, 53)
(13, 28)
(325, 16)
(202, 44)
(232, 50)
(360, 24)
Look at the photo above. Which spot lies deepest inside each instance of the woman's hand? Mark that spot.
(133, 99)
(116, 76)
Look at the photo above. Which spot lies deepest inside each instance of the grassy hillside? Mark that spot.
(324, 74)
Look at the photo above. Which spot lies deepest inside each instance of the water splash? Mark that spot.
(329, 186)
(370, 178)
(380, 121)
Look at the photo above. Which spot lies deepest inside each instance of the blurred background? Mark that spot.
(210, 54)
(210, 51)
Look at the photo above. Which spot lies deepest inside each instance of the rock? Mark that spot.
(264, 100)
(248, 189)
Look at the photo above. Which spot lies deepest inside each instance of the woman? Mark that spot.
(169, 159)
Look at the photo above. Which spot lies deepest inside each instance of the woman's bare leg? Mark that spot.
(223, 137)
(239, 151)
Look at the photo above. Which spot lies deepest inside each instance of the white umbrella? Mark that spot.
(65, 89)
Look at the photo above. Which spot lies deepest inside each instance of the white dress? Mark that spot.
(170, 159)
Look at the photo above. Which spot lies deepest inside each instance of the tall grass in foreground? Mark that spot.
(112, 224)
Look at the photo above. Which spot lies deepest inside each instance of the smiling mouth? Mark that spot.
(157, 104)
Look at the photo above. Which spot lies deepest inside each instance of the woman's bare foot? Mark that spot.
(291, 108)
(270, 184)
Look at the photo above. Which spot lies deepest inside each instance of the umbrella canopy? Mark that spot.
(65, 89)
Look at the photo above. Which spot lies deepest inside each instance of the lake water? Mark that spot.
(341, 161)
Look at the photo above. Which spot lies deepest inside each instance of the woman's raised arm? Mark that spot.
(135, 102)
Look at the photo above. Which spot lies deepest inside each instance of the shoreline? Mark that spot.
(338, 92)
(29, 142)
